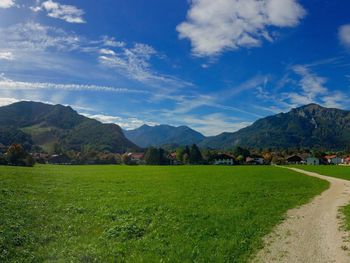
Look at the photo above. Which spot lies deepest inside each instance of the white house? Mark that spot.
(333, 159)
(346, 160)
(254, 160)
(312, 161)
(223, 159)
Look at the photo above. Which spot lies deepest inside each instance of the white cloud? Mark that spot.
(105, 51)
(36, 37)
(135, 62)
(308, 88)
(336, 99)
(8, 84)
(344, 35)
(7, 101)
(6, 55)
(68, 13)
(214, 124)
(6, 3)
(312, 84)
(41, 44)
(126, 123)
(112, 42)
(215, 26)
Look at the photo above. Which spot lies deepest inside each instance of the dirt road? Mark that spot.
(311, 233)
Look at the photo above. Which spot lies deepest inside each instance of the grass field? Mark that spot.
(143, 214)
(338, 171)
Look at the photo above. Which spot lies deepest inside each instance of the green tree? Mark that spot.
(241, 151)
(186, 158)
(180, 154)
(126, 159)
(195, 156)
(152, 156)
(240, 159)
(279, 160)
(155, 156)
(29, 161)
(16, 155)
(56, 148)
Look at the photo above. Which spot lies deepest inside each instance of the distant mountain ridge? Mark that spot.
(45, 125)
(310, 126)
(159, 135)
(48, 126)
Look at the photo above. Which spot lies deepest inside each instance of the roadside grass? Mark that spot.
(144, 213)
(337, 171)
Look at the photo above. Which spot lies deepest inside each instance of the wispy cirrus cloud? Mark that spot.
(30, 40)
(8, 84)
(344, 35)
(216, 26)
(68, 13)
(314, 90)
(7, 3)
(32, 36)
(135, 62)
(111, 42)
(308, 87)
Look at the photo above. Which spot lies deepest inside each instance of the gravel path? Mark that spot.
(311, 233)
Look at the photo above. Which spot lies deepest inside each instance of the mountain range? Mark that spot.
(50, 126)
(310, 126)
(159, 135)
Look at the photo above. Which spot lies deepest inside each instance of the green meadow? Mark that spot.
(144, 213)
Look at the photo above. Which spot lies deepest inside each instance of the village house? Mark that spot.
(295, 159)
(346, 160)
(312, 161)
(333, 159)
(172, 159)
(255, 159)
(59, 159)
(137, 158)
(224, 159)
(41, 157)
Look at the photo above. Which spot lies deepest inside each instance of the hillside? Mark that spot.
(163, 134)
(310, 126)
(34, 123)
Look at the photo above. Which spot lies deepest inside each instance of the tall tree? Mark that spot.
(155, 156)
(180, 154)
(195, 155)
(152, 156)
(241, 151)
(16, 155)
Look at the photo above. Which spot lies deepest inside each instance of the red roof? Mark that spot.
(330, 156)
(172, 155)
(137, 155)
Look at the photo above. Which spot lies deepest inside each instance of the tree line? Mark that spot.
(16, 155)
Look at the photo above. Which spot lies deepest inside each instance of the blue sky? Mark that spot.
(212, 65)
